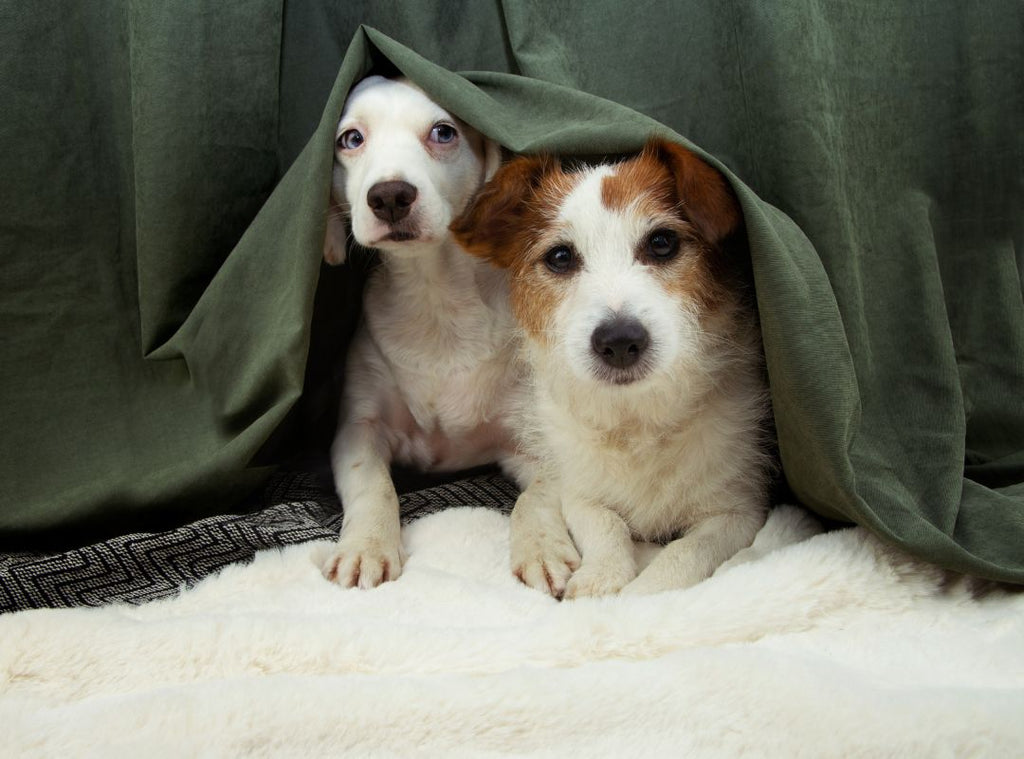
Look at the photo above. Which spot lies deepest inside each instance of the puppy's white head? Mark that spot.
(404, 167)
(617, 272)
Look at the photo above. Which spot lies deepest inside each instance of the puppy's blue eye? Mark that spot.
(662, 244)
(443, 133)
(350, 139)
(560, 259)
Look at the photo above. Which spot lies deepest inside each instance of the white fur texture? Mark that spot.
(429, 370)
(680, 452)
(612, 282)
(825, 646)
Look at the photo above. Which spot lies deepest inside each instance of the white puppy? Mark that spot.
(430, 370)
(647, 405)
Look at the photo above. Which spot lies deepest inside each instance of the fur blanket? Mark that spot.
(806, 644)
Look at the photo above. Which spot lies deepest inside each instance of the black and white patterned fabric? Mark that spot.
(295, 507)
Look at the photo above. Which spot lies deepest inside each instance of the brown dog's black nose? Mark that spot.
(391, 201)
(620, 341)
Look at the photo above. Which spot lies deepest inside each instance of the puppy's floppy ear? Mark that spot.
(492, 158)
(336, 235)
(492, 222)
(703, 192)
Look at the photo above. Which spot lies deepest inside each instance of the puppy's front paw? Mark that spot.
(600, 578)
(364, 562)
(544, 559)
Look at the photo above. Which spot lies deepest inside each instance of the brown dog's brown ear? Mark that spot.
(705, 195)
(491, 224)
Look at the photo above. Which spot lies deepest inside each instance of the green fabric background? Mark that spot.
(165, 171)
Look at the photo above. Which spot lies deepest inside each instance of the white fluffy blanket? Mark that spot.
(806, 645)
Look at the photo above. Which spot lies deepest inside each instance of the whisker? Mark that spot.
(338, 212)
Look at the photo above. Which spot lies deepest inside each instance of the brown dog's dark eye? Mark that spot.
(560, 259)
(662, 245)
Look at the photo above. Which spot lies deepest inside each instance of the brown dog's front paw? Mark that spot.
(544, 562)
(548, 574)
(603, 578)
(594, 579)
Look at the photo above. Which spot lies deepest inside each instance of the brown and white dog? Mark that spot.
(646, 407)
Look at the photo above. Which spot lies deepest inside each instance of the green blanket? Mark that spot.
(165, 314)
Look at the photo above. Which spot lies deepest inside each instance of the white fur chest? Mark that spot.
(661, 469)
(442, 352)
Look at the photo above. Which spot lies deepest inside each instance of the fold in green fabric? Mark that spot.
(150, 354)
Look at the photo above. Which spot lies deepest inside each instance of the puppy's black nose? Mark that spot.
(391, 201)
(620, 341)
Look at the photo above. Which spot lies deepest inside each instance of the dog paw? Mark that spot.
(363, 563)
(655, 580)
(544, 560)
(644, 586)
(603, 578)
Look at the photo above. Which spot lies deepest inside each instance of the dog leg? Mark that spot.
(605, 542)
(369, 550)
(542, 553)
(696, 555)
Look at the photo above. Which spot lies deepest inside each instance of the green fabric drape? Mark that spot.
(160, 271)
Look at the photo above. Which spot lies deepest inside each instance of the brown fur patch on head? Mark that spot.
(668, 183)
(513, 221)
(704, 194)
(641, 184)
(492, 225)
(504, 225)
